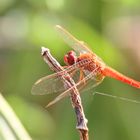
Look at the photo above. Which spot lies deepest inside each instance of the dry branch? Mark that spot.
(74, 94)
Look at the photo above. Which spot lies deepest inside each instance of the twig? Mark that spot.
(74, 94)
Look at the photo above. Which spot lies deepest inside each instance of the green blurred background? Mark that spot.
(110, 27)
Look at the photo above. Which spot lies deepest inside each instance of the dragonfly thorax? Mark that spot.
(92, 62)
(86, 61)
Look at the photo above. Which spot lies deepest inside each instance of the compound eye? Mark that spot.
(72, 53)
(70, 58)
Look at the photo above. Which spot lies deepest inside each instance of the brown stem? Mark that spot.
(74, 94)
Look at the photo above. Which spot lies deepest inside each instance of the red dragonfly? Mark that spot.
(84, 67)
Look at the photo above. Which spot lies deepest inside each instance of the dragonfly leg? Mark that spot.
(82, 76)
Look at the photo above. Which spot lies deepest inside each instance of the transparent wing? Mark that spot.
(48, 84)
(79, 85)
(90, 85)
(78, 46)
(53, 83)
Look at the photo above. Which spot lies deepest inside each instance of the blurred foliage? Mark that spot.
(10, 125)
(27, 25)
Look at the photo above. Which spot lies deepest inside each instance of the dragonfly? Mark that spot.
(83, 65)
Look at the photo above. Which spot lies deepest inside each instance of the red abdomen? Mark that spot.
(114, 74)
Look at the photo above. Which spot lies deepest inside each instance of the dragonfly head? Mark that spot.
(70, 58)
